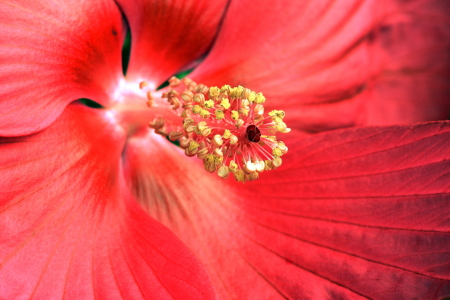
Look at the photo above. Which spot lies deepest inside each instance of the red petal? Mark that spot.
(70, 228)
(351, 214)
(51, 55)
(338, 63)
(169, 35)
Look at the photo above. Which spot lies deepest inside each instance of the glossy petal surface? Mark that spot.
(70, 229)
(52, 54)
(355, 213)
(338, 63)
(169, 35)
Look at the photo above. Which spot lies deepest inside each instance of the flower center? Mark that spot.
(225, 127)
(253, 134)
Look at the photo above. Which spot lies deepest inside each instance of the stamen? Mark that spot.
(226, 128)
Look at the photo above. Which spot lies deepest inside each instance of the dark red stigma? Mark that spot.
(253, 134)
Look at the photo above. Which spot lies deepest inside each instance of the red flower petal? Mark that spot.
(51, 55)
(351, 214)
(169, 35)
(338, 63)
(69, 228)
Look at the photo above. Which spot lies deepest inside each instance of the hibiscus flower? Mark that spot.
(93, 203)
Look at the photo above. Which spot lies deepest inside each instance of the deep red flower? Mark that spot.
(361, 212)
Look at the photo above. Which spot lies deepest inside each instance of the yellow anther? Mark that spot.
(225, 88)
(161, 131)
(209, 104)
(174, 82)
(184, 142)
(202, 130)
(233, 139)
(201, 88)
(282, 147)
(188, 120)
(186, 81)
(204, 113)
(218, 152)
(276, 120)
(175, 135)
(239, 175)
(199, 98)
(260, 98)
(187, 96)
(186, 113)
(187, 105)
(202, 124)
(157, 123)
(193, 145)
(236, 92)
(196, 109)
(234, 115)
(172, 93)
(277, 152)
(191, 86)
(252, 176)
(189, 126)
(200, 127)
(233, 166)
(267, 165)
(173, 100)
(209, 159)
(214, 92)
(239, 123)
(259, 109)
(223, 172)
(225, 103)
(218, 160)
(252, 96)
(226, 134)
(277, 113)
(202, 153)
(281, 127)
(219, 114)
(276, 162)
(211, 168)
(246, 93)
(260, 166)
(243, 111)
(249, 167)
(211, 162)
(206, 131)
(217, 140)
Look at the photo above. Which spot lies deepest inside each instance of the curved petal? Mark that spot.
(338, 63)
(69, 228)
(52, 54)
(169, 35)
(355, 213)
